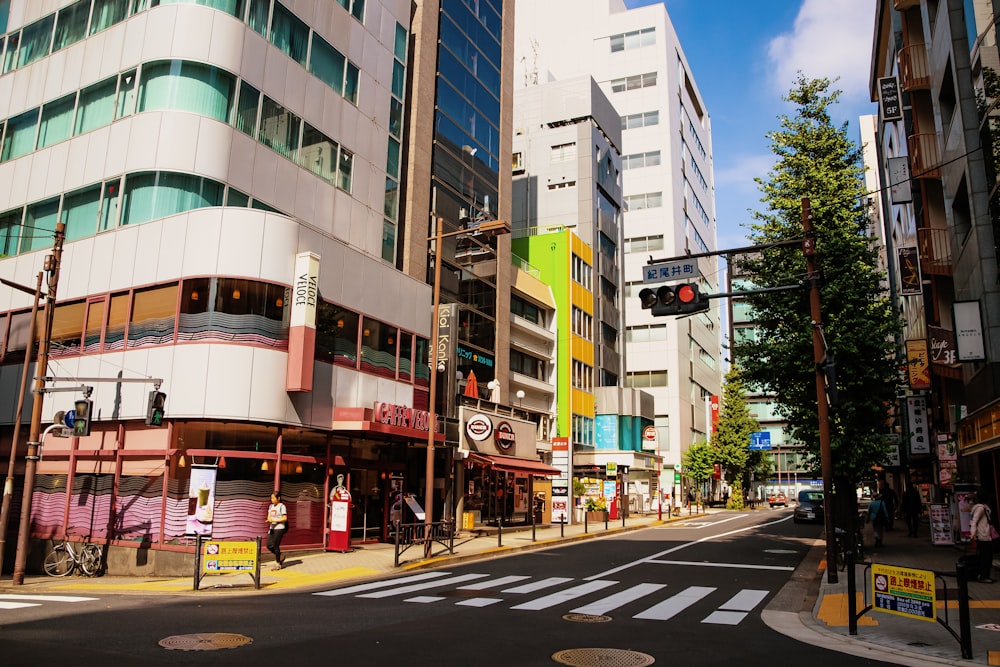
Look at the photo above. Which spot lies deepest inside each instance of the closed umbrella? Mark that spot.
(471, 386)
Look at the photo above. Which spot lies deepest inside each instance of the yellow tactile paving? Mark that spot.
(833, 610)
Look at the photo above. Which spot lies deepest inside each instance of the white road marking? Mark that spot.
(725, 617)
(538, 585)
(617, 600)
(412, 588)
(383, 584)
(424, 599)
(745, 600)
(493, 583)
(479, 602)
(685, 545)
(737, 566)
(564, 596)
(18, 605)
(676, 604)
(46, 598)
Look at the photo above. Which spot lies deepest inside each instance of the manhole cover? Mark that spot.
(586, 618)
(204, 641)
(602, 657)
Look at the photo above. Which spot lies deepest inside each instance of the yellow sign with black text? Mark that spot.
(904, 591)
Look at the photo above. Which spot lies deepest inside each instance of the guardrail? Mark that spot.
(408, 535)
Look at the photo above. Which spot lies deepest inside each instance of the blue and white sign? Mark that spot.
(663, 272)
(760, 440)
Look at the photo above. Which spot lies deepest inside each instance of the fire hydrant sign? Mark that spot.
(904, 591)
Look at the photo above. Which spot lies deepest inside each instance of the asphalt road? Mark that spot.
(688, 595)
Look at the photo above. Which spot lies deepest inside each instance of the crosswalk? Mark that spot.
(15, 601)
(559, 592)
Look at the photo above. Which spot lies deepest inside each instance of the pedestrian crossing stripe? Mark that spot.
(732, 612)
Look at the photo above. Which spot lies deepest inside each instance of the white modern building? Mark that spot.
(224, 171)
(636, 58)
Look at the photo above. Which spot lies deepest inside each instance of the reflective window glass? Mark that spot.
(94, 326)
(40, 225)
(336, 335)
(289, 34)
(10, 55)
(351, 83)
(36, 39)
(71, 24)
(279, 128)
(19, 135)
(246, 109)
(57, 121)
(399, 45)
(80, 211)
(388, 241)
(153, 195)
(378, 347)
(257, 16)
(96, 107)
(327, 64)
(125, 104)
(345, 174)
(10, 232)
(107, 13)
(186, 86)
(114, 335)
(318, 153)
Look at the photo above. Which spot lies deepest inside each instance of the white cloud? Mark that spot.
(737, 174)
(830, 38)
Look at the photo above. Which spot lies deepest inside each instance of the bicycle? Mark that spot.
(65, 558)
(842, 543)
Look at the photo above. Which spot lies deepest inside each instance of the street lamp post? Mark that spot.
(34, 438)
(8, 485)
(489, 228)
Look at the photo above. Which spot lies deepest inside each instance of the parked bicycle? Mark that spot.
(845, 543)
(67, 557)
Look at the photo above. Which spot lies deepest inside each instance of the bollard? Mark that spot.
(562, 527)
(966, 566)
(606, 514)
(585, 523)
(852, 598)
(500, 531)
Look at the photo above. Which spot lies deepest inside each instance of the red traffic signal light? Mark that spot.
(680, 299)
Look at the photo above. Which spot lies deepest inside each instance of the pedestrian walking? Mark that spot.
(277, 520)
(912, 507)
(879, 516)
(890, 499)
(982, 530)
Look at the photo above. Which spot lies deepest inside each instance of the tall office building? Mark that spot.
(636, 58)
(227, 174)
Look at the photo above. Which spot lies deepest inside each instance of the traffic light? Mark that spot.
(81, 419)
(154, 409)
(680, 299)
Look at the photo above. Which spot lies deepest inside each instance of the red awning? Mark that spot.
(513, 464)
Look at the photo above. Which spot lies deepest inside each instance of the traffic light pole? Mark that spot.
(8, 485)
(822, 407)
(31, 458)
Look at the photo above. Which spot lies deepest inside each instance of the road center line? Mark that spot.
(735, 566)
(685, 545)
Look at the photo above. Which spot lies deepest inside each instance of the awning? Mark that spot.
(513, 464)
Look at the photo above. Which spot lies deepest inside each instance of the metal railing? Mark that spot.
(406, 535)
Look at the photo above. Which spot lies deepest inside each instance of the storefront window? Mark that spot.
(336, 335)
(232, 309)
(378, 348)
(114, 336)
(67, 329)
(153, 316)
(92, 330)
(405, 356)
(421, 364)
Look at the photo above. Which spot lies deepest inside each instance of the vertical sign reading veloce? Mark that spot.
(302, 323)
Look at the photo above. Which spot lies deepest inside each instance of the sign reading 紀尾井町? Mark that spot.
(904, 591)
(662, 272)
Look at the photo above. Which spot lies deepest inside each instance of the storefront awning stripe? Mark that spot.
(511, 464)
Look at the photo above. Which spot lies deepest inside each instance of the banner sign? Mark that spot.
(910, 280)
(916, 413)
(969, 331)
(904, 591)
(918, 368)
(899, 180)
(889, 99)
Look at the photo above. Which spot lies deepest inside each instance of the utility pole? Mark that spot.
(822, 406)
(8, 485)
(31, 458)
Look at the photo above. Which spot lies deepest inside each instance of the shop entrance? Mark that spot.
(371, 493)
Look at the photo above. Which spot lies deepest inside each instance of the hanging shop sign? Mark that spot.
(479, 428)
(889, 99)
(910, 280)
(969, 331)
(916, 413)
(918, 368)
(504, 437)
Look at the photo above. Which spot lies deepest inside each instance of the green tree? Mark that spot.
(698, 463)
(731, 441)
(815, 159)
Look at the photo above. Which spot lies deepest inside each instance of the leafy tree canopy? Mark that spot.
(816, 160)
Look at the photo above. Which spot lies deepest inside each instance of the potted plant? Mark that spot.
(596, 508)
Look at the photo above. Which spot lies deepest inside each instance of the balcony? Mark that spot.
(902, 5)
(935, 251)
(913, 71)
(924, 160)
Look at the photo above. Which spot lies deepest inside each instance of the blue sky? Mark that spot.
(744, 56)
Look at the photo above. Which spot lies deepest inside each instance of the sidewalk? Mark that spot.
(808, 608)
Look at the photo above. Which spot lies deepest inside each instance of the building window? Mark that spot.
(186, 86)
(640, 160)
(633, 39)
(153, 316)
(636, 120)
(67, 329)
(279, 128)
(71, 24)
(153, 195)
(633, 82)
(336, 335)
(563, 152)
(379, 343)
(646, 200)
(289, 34)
